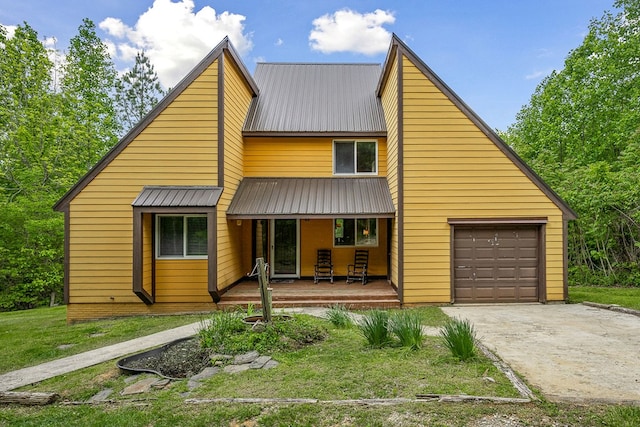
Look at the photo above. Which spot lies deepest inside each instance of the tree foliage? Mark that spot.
(87, 88)
(49, 138)
(137, 92)
(581, 133)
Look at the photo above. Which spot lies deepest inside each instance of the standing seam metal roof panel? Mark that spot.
(312, 197)
(316, 98)
(178, 196)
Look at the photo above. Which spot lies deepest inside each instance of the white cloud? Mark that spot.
(350, 31)
(279, 42)
(11, 30)
(175, 37)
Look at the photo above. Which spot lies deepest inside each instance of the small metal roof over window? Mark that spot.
(178, 196)
(312, 198)
(316, 99)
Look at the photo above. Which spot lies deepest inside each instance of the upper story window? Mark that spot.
(355, 157)
(181, 236)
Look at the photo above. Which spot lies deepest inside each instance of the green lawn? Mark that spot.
(625, 297)
(342, 367)
(30, 337)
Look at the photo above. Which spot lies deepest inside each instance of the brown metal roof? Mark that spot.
(316, 98)
(312, 197)
(178, 196)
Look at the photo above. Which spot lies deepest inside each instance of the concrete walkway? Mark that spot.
(33, 374)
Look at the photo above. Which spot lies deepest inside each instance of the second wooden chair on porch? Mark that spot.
(324, 266)
(358, 270)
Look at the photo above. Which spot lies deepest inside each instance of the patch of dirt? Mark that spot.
(180, 360)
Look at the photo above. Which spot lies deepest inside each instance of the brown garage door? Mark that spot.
(496, 263)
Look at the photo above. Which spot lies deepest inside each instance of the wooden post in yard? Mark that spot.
(263, 281)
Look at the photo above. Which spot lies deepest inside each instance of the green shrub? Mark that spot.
(227, 333)
(406, 325)
(375, 328)
(220, 328)
(460, 338)
(339, 316)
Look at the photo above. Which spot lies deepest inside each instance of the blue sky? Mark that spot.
(492, 53)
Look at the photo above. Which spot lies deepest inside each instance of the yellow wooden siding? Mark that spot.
(390, 107)
(181, 280)
(297, 157)
(453, 170)
(236, 104)
(178, 148)
(79, 312)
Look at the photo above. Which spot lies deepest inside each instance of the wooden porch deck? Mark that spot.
(376, 293)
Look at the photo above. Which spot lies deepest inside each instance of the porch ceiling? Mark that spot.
(263, 198)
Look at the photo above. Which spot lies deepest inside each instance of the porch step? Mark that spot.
(294, 298)
(353, 304)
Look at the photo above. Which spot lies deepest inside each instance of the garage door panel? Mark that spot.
(496, 263)
(528, 273)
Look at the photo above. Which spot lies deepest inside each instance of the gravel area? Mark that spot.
(180, 360)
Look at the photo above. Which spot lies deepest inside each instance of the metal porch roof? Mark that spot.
(312, 198)
(178, 196)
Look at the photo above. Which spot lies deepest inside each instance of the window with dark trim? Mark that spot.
(355, 157)
(355, 232)
(181, 236)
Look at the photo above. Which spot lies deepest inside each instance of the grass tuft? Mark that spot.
(459, 337)
(375, 328)
(406, 325)
(339, 316)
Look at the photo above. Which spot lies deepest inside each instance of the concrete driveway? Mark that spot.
(570, 352)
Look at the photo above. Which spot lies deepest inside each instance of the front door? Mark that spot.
(285, 238)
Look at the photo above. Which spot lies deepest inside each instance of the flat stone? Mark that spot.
(270, 364)
(234, 369)
(259, 362)
(162, 383)
(141, 386)
(191, 384)
(97, 334)
(101, 396)
(205, 373)
(249, 357)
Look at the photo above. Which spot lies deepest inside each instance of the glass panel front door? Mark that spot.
(284, 247)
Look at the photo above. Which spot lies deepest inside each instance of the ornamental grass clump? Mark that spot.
(339, 316)
(374, 326)
(407, 327)
(220, 327)
(459, 337)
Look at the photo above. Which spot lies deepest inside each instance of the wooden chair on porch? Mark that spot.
(358, 270)
(324, 266)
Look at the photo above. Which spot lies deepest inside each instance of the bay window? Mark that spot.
(182, 236)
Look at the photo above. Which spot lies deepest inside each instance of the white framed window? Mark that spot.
(355, 157)
(181, 236)
(355, 232)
